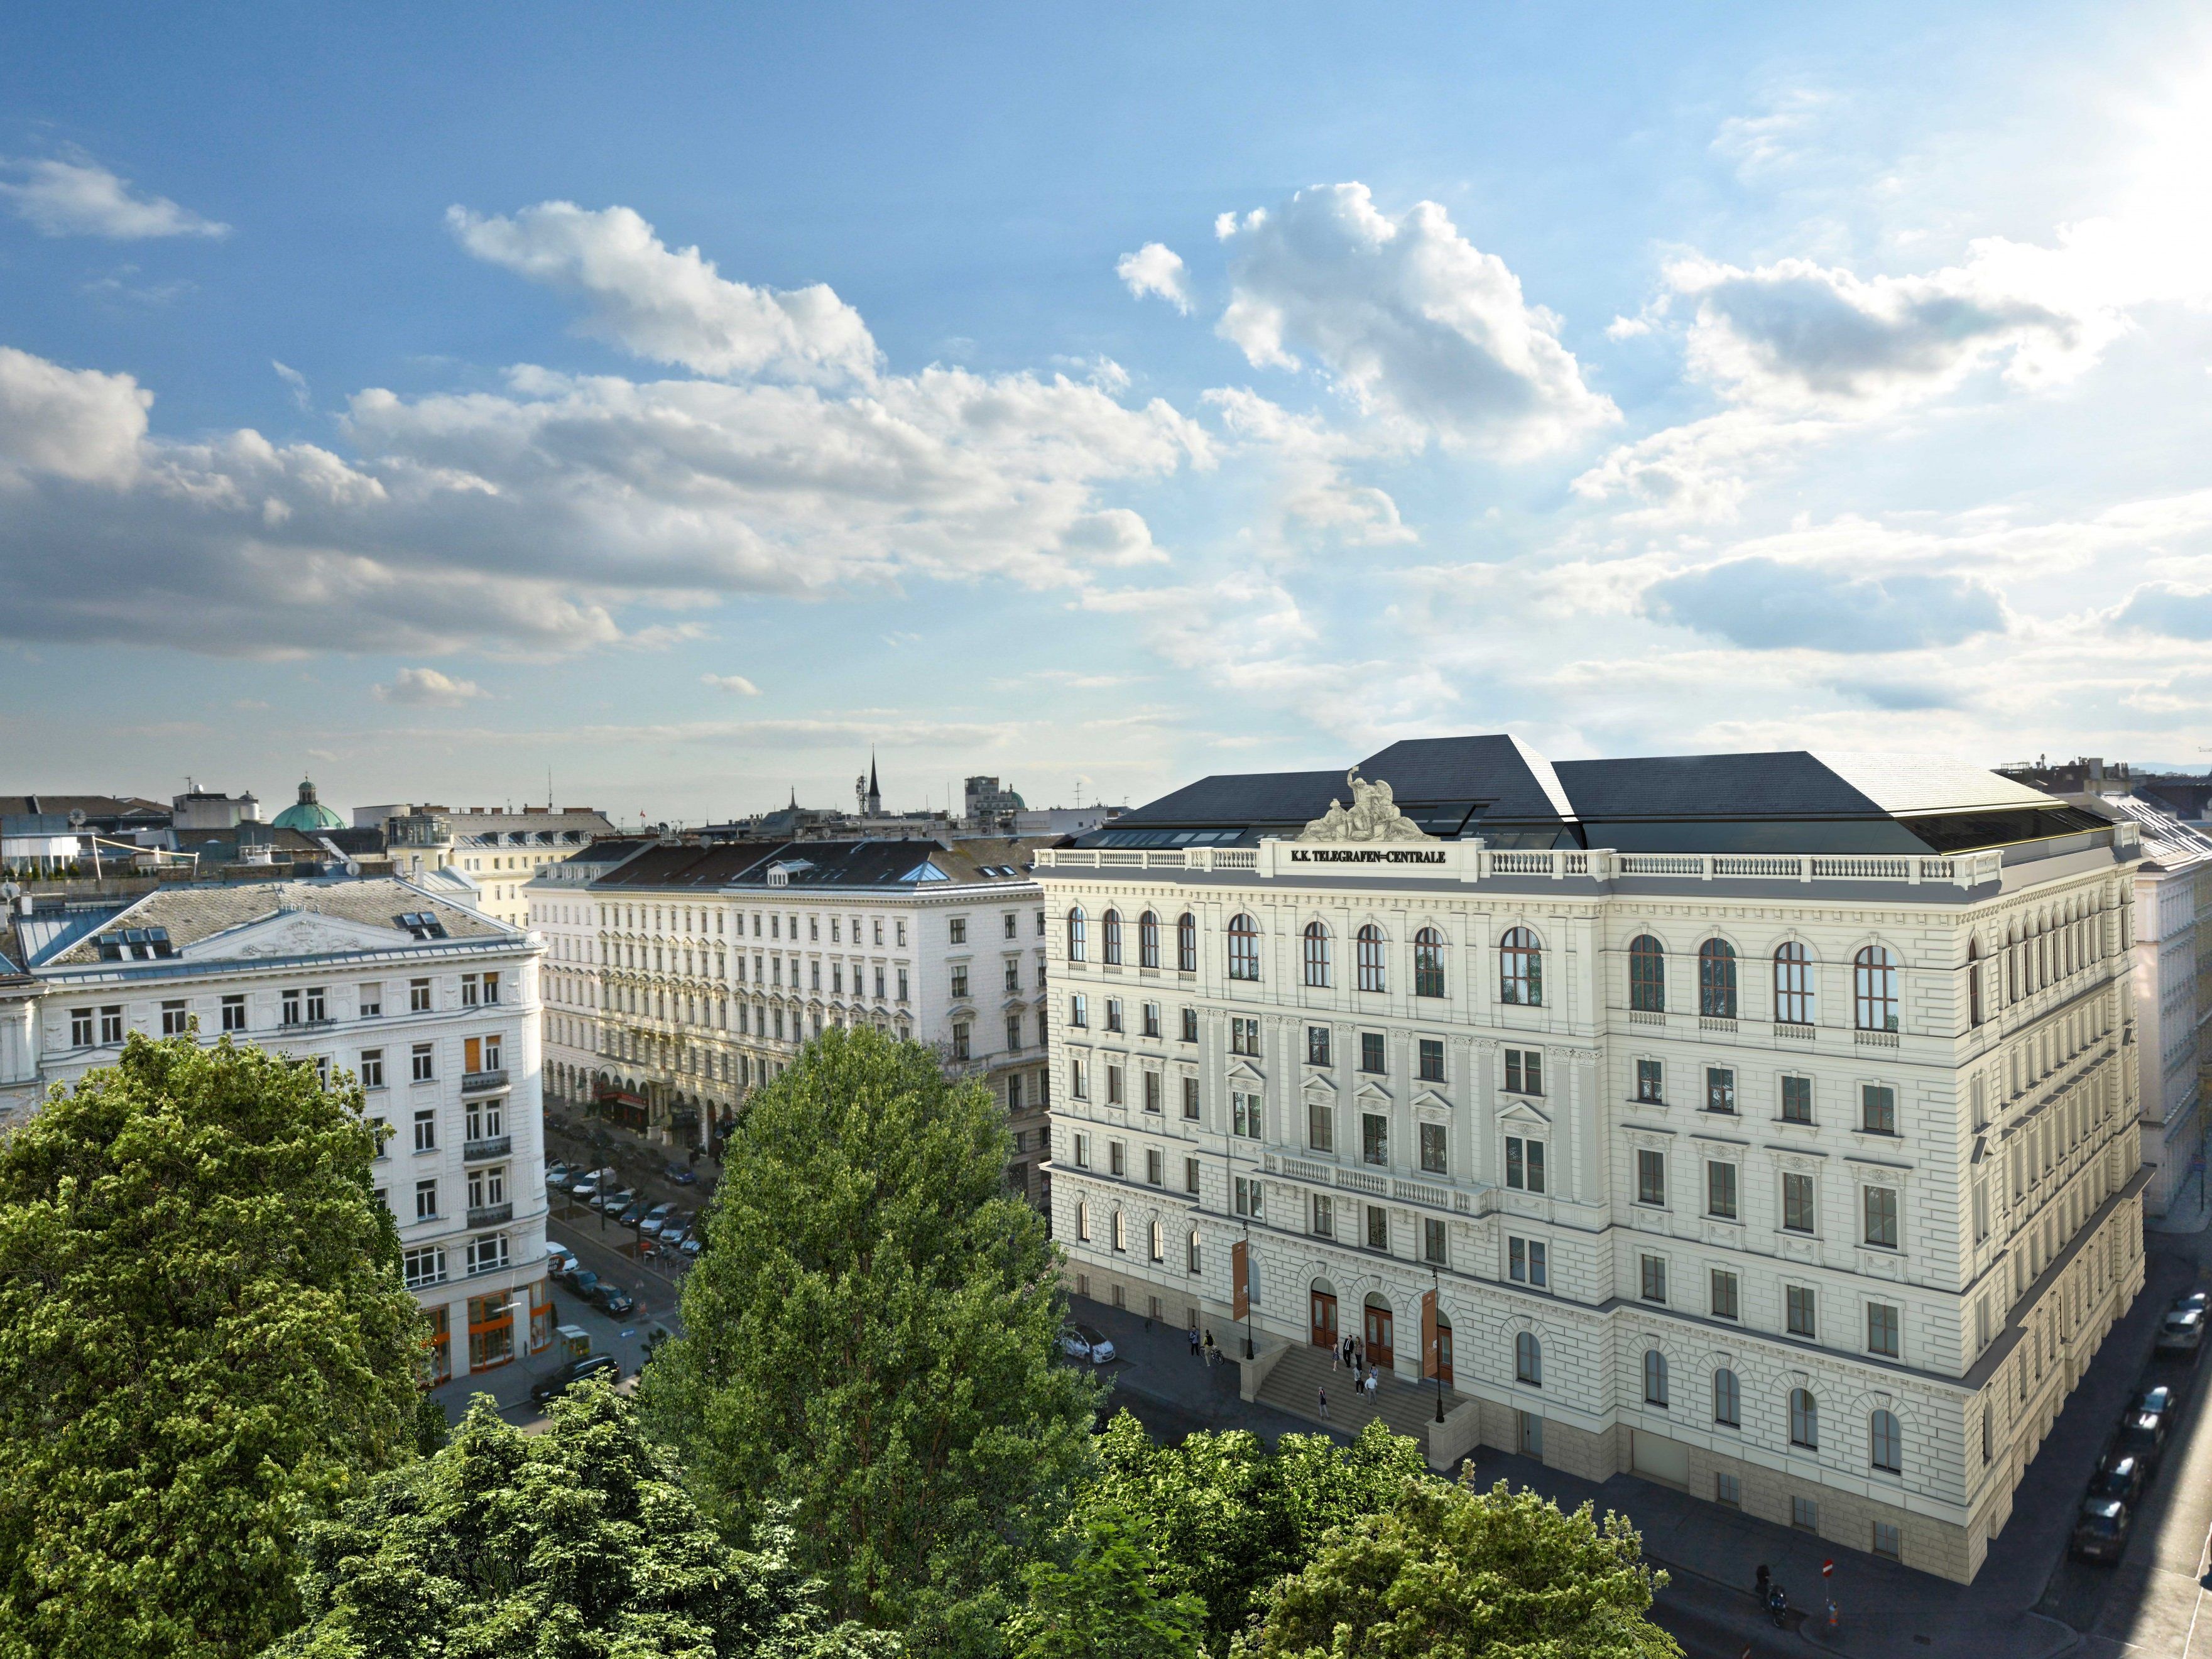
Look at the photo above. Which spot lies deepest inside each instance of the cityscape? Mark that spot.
(1476, 921)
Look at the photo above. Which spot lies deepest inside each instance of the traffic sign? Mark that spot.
(1828, 1568)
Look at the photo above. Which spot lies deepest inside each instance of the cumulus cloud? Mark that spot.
(1697, 472)
(426, 688)
(295, 382)
(1407, 318)
(75, 195)
(671, 306)
(76, 424)
(2169, 608)
(737, 684)
(1156, 268)
(1314, 492)
(1768, 605)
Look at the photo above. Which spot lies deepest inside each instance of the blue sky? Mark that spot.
(686, 400)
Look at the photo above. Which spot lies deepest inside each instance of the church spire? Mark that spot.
(875, 793)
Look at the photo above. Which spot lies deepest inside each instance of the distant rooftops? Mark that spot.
(844, 865)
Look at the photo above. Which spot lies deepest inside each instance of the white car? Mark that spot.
(1083, 1342)
(558, 1259)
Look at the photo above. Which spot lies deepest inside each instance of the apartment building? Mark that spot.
(689, 974)
(1763, 1125)
(431, 1005)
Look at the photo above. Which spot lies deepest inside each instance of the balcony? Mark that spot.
(490, 1215)
(474, 1151)
(478, 1083)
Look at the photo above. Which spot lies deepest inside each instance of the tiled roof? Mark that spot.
(191, 913)
(824, 864)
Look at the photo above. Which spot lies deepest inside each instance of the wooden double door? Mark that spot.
(1377, 1337)
(1324, 1319)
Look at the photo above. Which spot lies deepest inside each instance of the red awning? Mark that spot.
(618, 1097)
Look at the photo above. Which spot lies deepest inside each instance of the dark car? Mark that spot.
(660, 1215)
(637, 1213)
(610, 1299)
(553, 1387)
(682, 1174)
(2197, 1301)
(2100, 1531)
(584, 1282)
(2156, 1402)
(2121, 1475)
(2143, 1433)
(2181, 1334)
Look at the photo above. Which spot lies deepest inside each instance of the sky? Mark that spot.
(678, 405)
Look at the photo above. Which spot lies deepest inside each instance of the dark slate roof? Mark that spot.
(1243, 797)
(824, 864)
(1512, 780)
(1786, 784)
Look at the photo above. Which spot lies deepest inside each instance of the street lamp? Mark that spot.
(1437, 1320)
(1247, 1290)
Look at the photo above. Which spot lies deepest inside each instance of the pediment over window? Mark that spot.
(1522, 1114)
(1241, 1072)
(1372, 1094)
(1431, 1106)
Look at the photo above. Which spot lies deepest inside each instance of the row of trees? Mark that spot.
(862, 1445)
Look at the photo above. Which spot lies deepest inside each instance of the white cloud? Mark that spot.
(426, 688)
(77, 196)
(76, 424)
(1310, 456)
(672, 307)
(738, 684)
(1771, 141)
(297, 381)
(1409, 320)
(1156, 268)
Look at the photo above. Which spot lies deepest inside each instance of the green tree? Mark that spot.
(1105, 1603)
(578, 1543)
(1229, 1517)
(1452, 1572)
(869, 1340)
(202, 1335)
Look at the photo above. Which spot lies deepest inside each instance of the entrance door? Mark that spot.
(1378, 1337)
(1324, 1319)
(1531, 1436)
(1443, 1352)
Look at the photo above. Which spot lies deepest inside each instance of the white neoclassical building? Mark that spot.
(431, 1005)
(1763, 1124)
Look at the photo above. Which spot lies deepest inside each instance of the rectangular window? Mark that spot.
(1720, 1191)
(1805, 1514)
(1882, 1329)
(111, 1024)
(233, 1013)
(1653, 1278)
(426, 1131)
(1371, 1052)
(1378, 1228)
(1246, 1196)
(1152, 1019)
(960, 1039)
(1244, 1037)
(1013, 1031)
(1796, 1100)
(1081, 1151)
(1245, 1116)
(959, 930)
(960, 994)
(418, 996)
(1433, 1148)
(1078, 1011)
(1878, 1104)
(901, 972)
(1153, 1092)
(372, 1000)
(1724, 1295)
(1525, 1261)
(1882, 1216)
(1524, 1071)
(1324, 1216)
(1650, 1075)
(468, 990)
(1434, 1249)
(1888, 1542)
(1117, 1159)
(1321, 1126)
(372, 1068)
(423, 1059)
(81, 1026)
(1190, 1098)
(1720, 1089)
(1801, 1311)
(1374, 1138)
(1190, 1025)
(1650, 1176)
(1728, 1492)
(1524, 1163)
(1113, 1013)
(1797, 1205)
(426, 1200)
(288, 1003)
(1317, 1045)
(1113, 1084)
(425, 1266)
(1433, 1061)
(1156, 1172)
(1190, 1175)
(175, 1019)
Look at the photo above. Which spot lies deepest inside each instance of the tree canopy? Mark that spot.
(869, 1337)
(1106, 1602)
(1452, 1572)
(203, 1334)
(578, 1543)
(1229, 1517)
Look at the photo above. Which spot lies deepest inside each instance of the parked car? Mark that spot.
(2121, 1475)
(674, 1232)
(584, 1282)
(2181, 1334)
(2158, 1402)
(611, 1299)
(692, 1243)
(615, 1201)
(681, 1174)
(635, 1213)
(549, 1388)
(2143, 1433)
(559, 1175)
(558, 1260)
(2195, 1301)
(2100, 1531)
(1085, 1342)
(657, 1217)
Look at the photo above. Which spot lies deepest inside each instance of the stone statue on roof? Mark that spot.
(1372, 816)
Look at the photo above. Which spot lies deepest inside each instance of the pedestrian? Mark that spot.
(1764, 1578)
(1212, 1352)
(1324, 1404)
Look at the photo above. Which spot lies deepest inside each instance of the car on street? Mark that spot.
(657, 1217)
(2143, 1433)
(2100, 1531)
(2121, 1475)
(2158, 1402)
(2181, 1334)
(614, 1201)
(2197, 1301)
(674, 1232)
(559, 1175)
(681, 1174)
(583, 1282)
(610, 1299)
(635, 1213)
(1086, 1342)
(692, 1243)
(550, 1388)
(559, 1262)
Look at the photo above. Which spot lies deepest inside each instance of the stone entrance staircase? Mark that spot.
(1294, 1385)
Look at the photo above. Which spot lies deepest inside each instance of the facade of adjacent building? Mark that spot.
(1763, 1125)
(431, 1005)
(689, 974)
(499, 852)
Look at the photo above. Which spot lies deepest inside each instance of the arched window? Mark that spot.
(1804, 1421)
(1370, 958)
(1083, 1221)
(1075, 945)
(1793, 985)
(1728, 1399)
(1973, 982)
(1654, 1378)
(1885, 1442)
(1113, 941)
(1874, 976)
(1317, 954)
(1717, 979)
(1529, 1360)
(1148, 940)
(1521, 969)
(1428, 964)
(1160, 1243)
(1186, 944)
(1244, 947)
(1121, 1234)
(1647, 975)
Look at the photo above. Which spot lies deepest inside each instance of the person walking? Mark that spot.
(1194, 1342)
(1324, 1404)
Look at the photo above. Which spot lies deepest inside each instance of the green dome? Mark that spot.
(309, 815)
